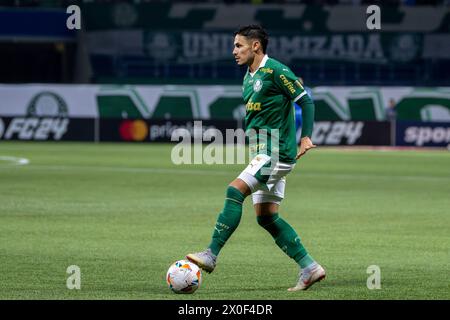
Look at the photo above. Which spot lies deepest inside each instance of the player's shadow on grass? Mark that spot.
(240, 289)
(344, 282)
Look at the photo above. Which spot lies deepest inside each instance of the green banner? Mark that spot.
(212, 102)
(225, 102)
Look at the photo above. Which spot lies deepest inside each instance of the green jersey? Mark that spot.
(269, 95)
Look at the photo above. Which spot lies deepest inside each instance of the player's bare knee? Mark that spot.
(241, 186)
(266, 209)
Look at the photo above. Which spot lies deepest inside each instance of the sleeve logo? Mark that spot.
(287, 83)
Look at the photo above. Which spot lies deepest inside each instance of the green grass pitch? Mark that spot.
(123, 213)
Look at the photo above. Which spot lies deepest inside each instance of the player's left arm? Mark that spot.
(308, 111)
(293, 88)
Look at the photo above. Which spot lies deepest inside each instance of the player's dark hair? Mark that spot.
(256, 32)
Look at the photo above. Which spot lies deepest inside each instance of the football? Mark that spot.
(184, 277)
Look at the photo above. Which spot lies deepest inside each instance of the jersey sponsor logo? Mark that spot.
(287, 83)
(257, 86)
(253, 106)
(34, 128)
(266, 70)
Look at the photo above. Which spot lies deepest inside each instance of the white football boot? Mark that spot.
(205, 260)
(307, 279)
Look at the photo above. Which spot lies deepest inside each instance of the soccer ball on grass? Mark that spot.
(184, 277)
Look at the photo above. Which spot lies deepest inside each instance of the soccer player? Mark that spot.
(269, 90)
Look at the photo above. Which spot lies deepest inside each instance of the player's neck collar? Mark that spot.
(261, 65)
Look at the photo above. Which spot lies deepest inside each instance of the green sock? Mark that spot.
(286, 238)
(228, 219)
(305, 261)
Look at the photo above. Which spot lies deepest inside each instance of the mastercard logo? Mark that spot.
(133, 130)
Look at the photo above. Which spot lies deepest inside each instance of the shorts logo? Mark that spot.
(257, 85)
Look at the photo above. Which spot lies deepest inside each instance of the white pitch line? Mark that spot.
(126, 169)
(231, 173)
(15, 160)
(379, 177)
